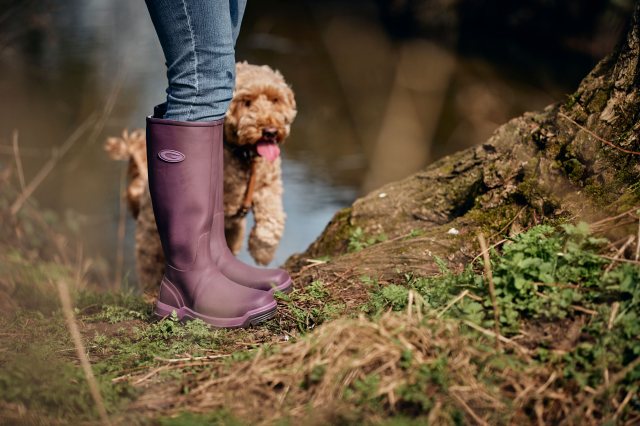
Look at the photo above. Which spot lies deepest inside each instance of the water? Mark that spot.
(371, 109)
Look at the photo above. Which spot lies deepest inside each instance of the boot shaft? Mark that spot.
(183, 163)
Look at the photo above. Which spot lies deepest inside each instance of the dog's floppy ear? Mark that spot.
(231, 120)
(291, 111)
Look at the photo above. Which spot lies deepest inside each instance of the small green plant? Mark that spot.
(363, 391)
(358, 240)
(316, 290)
(314, 377)
(114, 314)
(415, 233)
(427, 376)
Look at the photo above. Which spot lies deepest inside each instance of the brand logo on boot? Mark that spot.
(171, 156)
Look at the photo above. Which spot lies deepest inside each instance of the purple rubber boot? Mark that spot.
(261, 278)
(182, 178)
(249, 276)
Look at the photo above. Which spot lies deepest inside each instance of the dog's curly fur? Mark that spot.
(262, 99)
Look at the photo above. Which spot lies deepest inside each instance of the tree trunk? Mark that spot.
(573, 160)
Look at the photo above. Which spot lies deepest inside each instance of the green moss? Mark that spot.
(600, 195)
(572, 100)
(598, 101)
(574, 169)
(494, 219)
(335, 237)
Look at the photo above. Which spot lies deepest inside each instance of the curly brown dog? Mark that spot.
(257, 123)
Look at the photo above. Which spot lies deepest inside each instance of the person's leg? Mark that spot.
(236, 7)
(200, 89)
(183, 152)
(197, 38)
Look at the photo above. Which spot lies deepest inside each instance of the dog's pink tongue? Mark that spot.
(268, 150)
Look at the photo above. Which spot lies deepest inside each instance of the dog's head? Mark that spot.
(261, 112)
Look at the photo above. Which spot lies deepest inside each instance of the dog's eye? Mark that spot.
(247, 102)
(275, 100)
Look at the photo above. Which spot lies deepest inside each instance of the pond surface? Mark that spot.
(371, 109)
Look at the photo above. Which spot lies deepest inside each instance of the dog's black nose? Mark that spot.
(270, 132)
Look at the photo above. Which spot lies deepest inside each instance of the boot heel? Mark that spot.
(170, 300)
(163, 311)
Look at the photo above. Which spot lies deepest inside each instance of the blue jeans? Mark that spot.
(198, 39)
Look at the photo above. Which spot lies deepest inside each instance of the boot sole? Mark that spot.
(249, 319)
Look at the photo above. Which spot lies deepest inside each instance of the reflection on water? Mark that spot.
(371, 109)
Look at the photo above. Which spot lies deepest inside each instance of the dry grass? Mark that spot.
(400, 364)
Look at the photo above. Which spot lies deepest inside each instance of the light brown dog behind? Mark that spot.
(257, 123)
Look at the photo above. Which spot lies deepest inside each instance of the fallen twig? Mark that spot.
(619, 253)
(469, 411)
(504, 228)
(546, 384)
(596, 136)
(192, 358)
(614, 312)
(492, 291)
(453, 302)
(623, 404)
(574, 307)
(521, 349)
(16, 154)
(312, 263)
(620, 259)
(67, 309)
(504, 240)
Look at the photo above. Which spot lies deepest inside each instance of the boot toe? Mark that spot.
(281, 280)
(274, 279)
(231, 300)
(252, 277)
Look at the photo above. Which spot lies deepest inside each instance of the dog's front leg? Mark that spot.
(234, 233)
(269, 217)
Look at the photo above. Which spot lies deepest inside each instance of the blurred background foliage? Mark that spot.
(384, 87)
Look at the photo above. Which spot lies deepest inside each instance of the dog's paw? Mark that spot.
(261, 251)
